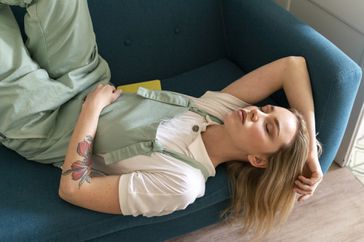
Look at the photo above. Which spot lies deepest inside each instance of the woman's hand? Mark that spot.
(307, 183)
(101, 96)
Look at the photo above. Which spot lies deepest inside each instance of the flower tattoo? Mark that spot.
(82, 169)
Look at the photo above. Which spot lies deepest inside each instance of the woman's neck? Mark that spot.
(219, 146)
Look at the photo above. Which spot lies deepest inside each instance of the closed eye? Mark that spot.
(266, 124)
(266, 128)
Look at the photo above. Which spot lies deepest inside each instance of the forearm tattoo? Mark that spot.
(81, 170)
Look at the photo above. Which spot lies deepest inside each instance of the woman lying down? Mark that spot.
(151, 153)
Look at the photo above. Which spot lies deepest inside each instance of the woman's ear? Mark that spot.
(257, 161)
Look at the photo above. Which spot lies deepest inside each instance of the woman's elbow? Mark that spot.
(66, 192)
(296, 60)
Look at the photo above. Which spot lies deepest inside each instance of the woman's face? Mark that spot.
(260, 131)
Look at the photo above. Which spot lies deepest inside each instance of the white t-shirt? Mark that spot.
(160, 184)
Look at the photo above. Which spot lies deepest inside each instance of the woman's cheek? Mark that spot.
(256, 132)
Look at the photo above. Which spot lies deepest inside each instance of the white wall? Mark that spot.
(348, 11)
(339, 21)
(342, 22)
(284, 3)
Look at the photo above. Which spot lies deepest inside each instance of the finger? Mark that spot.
(116, 94)
(304, 198)
(307, 181)
(108, 84)
(303, 186)
(302, 192)
(109, 88)
(299, 197)
(115, 89)
(118, 89)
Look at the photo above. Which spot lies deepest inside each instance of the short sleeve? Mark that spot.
(158, 193)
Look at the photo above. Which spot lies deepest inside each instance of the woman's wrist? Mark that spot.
(91, 108)
(314, 164)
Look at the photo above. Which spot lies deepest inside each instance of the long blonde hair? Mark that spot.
(263, 198)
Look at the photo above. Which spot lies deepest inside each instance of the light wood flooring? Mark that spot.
(334, 214)
(356, 162)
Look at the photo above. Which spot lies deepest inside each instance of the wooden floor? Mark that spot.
(334, 214)
(356, 162)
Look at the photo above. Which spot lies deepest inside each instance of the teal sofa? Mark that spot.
(192, 46)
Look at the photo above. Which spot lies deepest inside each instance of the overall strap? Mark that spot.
(165, 97)
(141, 148)
(204, 114)
(175, 99)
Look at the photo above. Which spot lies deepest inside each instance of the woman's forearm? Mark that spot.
(77, 165)
(78, 185)
(297, 87)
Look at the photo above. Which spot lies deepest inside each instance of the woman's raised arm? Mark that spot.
(265, 80)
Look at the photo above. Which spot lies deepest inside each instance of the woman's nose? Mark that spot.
(254, 115)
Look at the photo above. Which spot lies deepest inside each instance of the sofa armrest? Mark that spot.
(259, 31)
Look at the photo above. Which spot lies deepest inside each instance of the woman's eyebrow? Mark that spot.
(275, 120)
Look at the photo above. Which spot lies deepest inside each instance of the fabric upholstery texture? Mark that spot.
(191, 46)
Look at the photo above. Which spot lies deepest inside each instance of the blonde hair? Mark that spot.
(263, 198)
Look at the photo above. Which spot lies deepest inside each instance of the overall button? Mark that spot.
(195, 128)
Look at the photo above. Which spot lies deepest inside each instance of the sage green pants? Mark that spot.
(43, 82)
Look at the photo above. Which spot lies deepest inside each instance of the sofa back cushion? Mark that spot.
(145, 39)
(157, 39)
